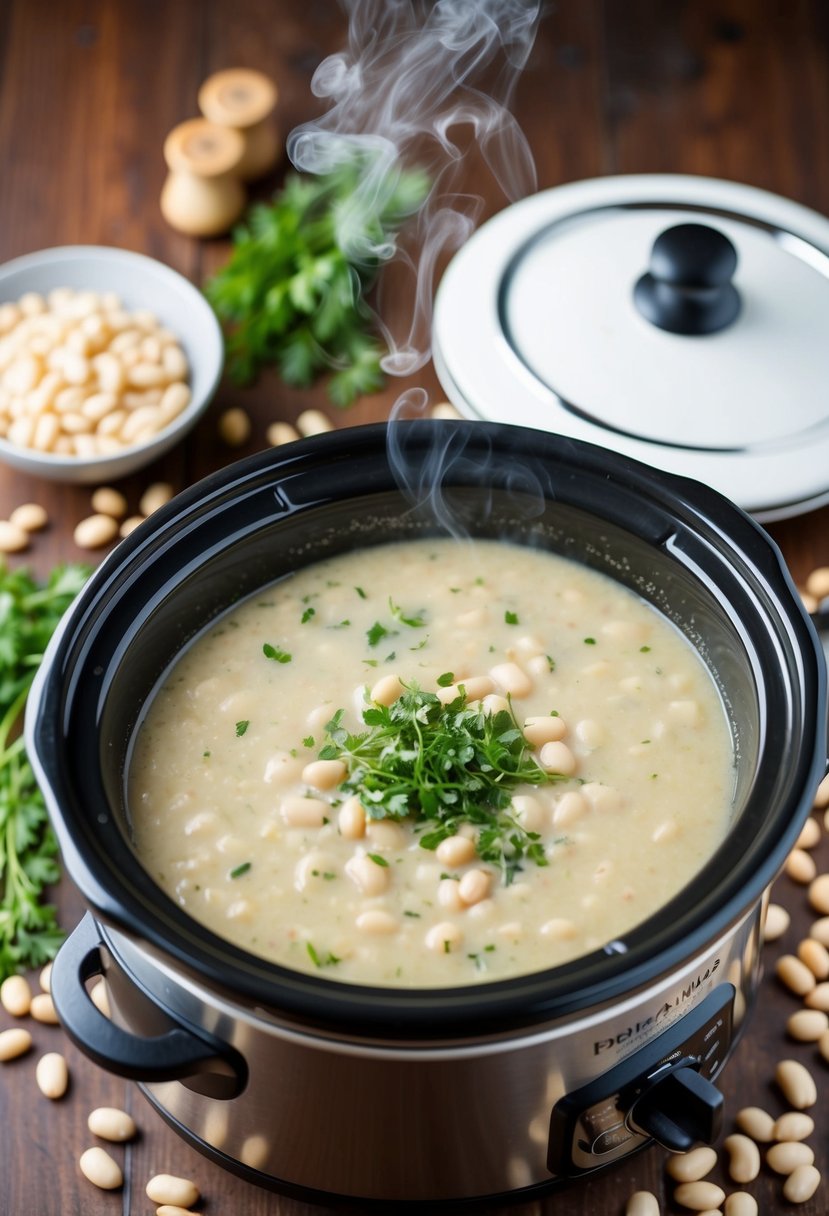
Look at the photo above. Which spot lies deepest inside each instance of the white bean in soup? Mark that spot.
(303, 786)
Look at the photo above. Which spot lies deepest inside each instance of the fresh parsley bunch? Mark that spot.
(29, 613)
(445, 765)
(292, 293)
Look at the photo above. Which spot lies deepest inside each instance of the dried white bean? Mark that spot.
(815, 956)
(801, 1184)
(52, 1075)
(279, 433)
(785, 1157)
(175, 399)
(744, 1163)
(110, 1123)
(809, 834)
(819, 894)
(776, 923)
(234, 427)
(16, 995)
(129, 525)
(642, 1203)
(155, 496)
(807, 1025)
(699, 1196)
(691, 1166)
(43, 1009)
(313, 422)
(794, 974)
(99, 995)
(168, 1188)
(797, 1084)
(740, 1203)
(794, 1125)
(818, 998)
(13, 1043)
(30, 516)
(13, 539)
(95, 531)
(107, 501)
(99, 1168)
(801, 867)
(757, 1123)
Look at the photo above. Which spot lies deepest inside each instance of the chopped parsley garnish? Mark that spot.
(308, 741)
(443, 765)
(242, 726)
(510, 618)
(644, 649)
(361, 593)
(377, 632)
(378, 860)
(273, 652)
(413, 622)
(307, 614)
(329, 960)
(590, 641)
(446, 679)
(239, 870)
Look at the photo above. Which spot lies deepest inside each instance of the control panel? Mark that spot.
(662, 1092)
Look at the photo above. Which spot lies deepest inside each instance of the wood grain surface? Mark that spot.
(88, 91)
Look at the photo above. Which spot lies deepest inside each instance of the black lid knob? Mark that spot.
(679, 1110)
(688, 288)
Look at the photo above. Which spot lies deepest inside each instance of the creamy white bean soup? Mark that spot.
(432, 763)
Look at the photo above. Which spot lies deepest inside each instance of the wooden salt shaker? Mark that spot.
(203, 195)
(244, 100)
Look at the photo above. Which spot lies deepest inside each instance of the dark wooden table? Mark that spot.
(89, 89)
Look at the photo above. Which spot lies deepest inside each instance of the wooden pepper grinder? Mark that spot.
(244, 100)
(203, 195)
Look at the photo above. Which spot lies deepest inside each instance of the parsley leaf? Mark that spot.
(273, 652)
(377, 632)
(293, 290)
(29, 614)
(327, 960)
(444, 765)
(242, 726)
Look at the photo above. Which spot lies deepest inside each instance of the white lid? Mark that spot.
(536, 324)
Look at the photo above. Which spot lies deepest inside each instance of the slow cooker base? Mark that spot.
(350, 1204)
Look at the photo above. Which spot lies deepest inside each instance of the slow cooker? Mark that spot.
(322, 1089)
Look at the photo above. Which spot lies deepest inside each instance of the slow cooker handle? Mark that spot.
(203, 1062)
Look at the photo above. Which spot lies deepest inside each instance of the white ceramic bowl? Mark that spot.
(141, 283)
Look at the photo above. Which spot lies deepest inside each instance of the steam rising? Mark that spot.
(407, 93)
(427, 458)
